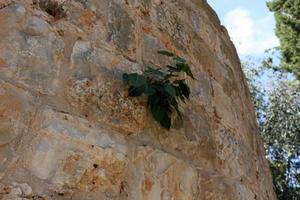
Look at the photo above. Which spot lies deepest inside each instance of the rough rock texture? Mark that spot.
(68, 130)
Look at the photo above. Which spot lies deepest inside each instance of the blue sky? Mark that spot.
(250, 25)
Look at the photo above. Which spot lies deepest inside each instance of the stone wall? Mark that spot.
(68, 130)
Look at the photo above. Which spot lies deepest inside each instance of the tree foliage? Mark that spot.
(278, 108)
(281, 132)
(278, 115)
(162, 87)
(287, 15)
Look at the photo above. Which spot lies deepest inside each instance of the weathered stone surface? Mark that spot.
(16, 112)
(68, 129)
(121, 27)
(36, 26)
(157, 175)
(99, 162)
(30, 53)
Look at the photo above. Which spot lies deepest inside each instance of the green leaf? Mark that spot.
(179, 59)
(158, 87)
(149, 91)
(159, 112)
(126, 77)
(174, 104)
(136, 91)
(155, 72)
(179, 93)
(173, 69)
(185, 68)
(166, 122)
(170, 90)
(153, 99)
(135, 79)
(166, 53)
(184, 88)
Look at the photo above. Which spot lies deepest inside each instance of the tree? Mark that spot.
(287, 16)
(281, 132)
(278, 116)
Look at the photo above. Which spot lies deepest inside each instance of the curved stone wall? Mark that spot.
(68, 130)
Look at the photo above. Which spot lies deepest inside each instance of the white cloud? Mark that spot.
(250, 36)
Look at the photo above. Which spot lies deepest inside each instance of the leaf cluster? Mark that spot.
(278, 115)
(287, 16)
(281, 132)
(162, 87)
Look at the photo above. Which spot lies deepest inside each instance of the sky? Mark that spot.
(250, 25)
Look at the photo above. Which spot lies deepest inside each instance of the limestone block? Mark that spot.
(36, 26)
(158, 175)
(28, 54)
(16, 112)
(69, 154)
(121, 28)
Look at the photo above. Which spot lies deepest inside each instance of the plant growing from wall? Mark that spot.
(163, 87)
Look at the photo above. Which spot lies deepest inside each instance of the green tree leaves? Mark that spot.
(185, 68)
(287, 15)
(135, 79)
(182, 88)
(181, 65)
(170, 90)
(161, 88)
(281, 132)
(279, 121)
(166, 53)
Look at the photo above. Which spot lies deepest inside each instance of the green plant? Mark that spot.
(287, 17)
(278, 116)
(163, 87)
